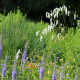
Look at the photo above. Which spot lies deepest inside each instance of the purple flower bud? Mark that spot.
(47, 64)
(33, 58)
(67, 74)
(57, 70)
(28, 61)
(0, 46)
(42, 42)
(58, 58)
(61, 67)
(4, 67)
(58, 53)
(41, 73)
(37, 65)
(14, 72)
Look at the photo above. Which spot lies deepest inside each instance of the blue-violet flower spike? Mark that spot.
(0, 46)
(4, 67)
(14, 72)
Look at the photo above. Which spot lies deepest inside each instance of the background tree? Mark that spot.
(37, 8)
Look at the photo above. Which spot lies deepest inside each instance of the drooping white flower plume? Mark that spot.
(17, 54)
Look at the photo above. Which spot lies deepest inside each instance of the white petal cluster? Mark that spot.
(75, 15)
(44, 31)
(58, 35)
(51, 23)
(68, 13)
(47, 15)
(62, 29)
(52, 37)
(56, 13)
(61, 24)
(17, 54)
(78, 23)
(49, 28)
(59, 10)
(56, 22)
(64, 8)
(41, 38)
(37, 33)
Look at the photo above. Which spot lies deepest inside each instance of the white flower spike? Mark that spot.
(37, 33)
(17, 54)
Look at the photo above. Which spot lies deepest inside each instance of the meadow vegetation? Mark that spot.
(16, 30)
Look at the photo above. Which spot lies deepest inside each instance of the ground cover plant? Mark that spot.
(35, 51)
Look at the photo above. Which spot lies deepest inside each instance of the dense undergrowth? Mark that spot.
(16, 30)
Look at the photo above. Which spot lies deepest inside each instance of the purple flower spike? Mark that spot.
(42, 69)
(26, 45)
(4, 67)
(14, 72)
(54, 77)
(0, 46)
(3, 72)
(41, 73)
(25, 52)
(24, 55)
(76, 78)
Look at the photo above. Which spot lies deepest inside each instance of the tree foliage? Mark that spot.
(37, 8)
